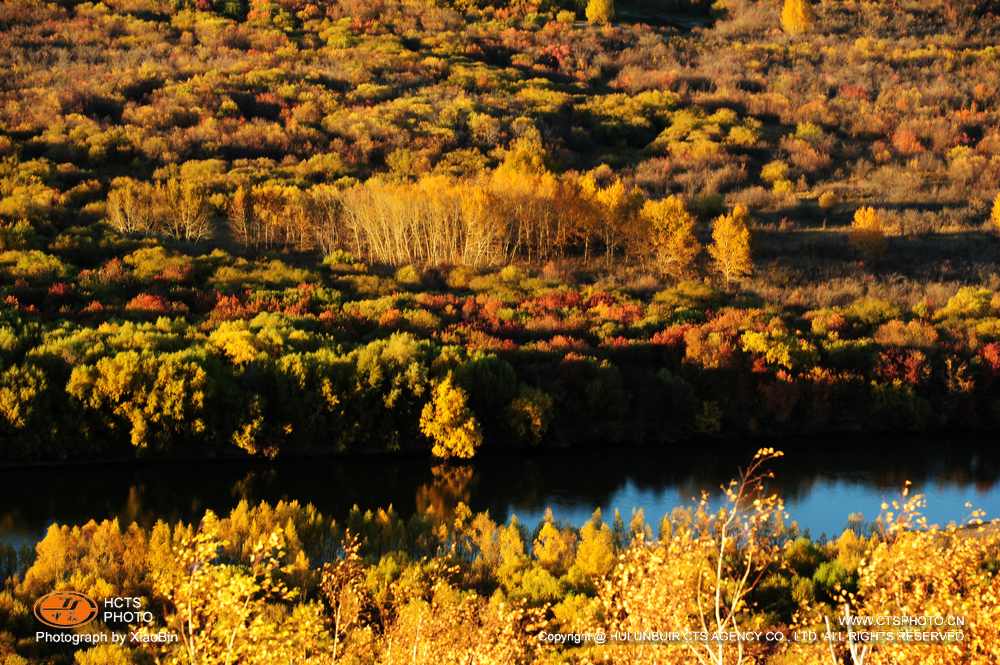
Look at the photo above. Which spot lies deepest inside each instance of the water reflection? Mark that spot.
(821, 487)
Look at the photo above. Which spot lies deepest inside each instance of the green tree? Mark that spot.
(530, 414)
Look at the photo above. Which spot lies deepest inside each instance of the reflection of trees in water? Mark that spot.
(581, 478)
(450, 485)
(593, 479)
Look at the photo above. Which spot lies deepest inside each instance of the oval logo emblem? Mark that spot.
(65, 609)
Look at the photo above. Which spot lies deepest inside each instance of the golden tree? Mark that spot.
(730, 248)
(232, 612)
(671, 233)
(130, 207)
(948, 578)
(186, 216)
(600, 11)
(554, 549)
(618, 207)
(449, 423)
(797, 17)
(20, 389)
(242, 220)
(595, 554)
(909, 568)
(343, 590)
(698, 577)
(995, 217)
(157, 396)
(454, 626)
(868, 233)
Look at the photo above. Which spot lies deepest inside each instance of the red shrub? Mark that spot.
(552, 301)
(228, 308)
(908, 365)
(149, 303)
(561, 342)
(175, 273)
(60, 290)
(672, 336)
(850, 91)
(391, 318)
(991, 354)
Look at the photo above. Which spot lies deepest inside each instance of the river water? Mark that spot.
(822, 487)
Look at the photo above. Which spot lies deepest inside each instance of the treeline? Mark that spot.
(519, 212)
(285, 583)
(456, 377)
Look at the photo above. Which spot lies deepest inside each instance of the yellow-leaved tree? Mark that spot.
(600, 11)
(159, 398)
(554, 549)
(946, 579)
(229, 612)
(449, 423)
(730, 248)
(618, 208)
(700, 575)
(995, 217)
(595, 554)
(671, 234)
(797, 17)
(868, 233)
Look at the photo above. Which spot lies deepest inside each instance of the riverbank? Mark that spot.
(515, 360)
(457, 570)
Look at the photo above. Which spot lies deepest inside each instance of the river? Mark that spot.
(822, 486)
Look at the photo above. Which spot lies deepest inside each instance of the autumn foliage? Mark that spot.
(797, 16)
(730, 248)
(284, 583)
(868, 233)
(672, 233)
(275, 228)
(600, 11)
(447, 421)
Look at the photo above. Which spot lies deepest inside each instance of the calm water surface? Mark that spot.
(821, 488)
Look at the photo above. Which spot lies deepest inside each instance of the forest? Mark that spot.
(267, 228)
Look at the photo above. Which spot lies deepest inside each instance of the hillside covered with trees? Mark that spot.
(288, 227)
